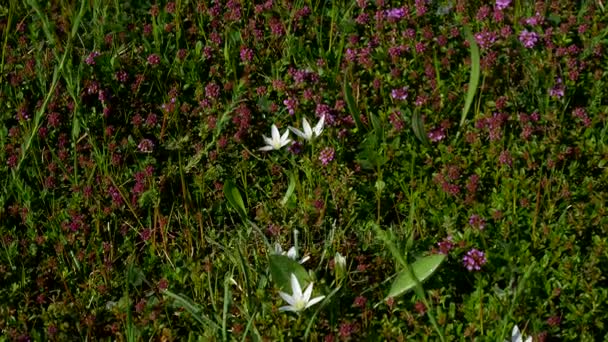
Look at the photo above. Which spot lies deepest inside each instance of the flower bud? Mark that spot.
(339, 267)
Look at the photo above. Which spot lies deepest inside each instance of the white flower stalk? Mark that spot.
(517, 337)
(309, 133)
(298, 301)
(277, 141)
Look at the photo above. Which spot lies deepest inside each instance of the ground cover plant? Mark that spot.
(303, 170)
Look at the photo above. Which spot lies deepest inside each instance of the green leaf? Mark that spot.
(135, 276)
(192, 308)
(234, 198)
(422, 269)
(352, 106)
(281, 268)
(290, 188)
(380, 185)
(474, 76)
(198, 48)
(418, 128)
(378, 129)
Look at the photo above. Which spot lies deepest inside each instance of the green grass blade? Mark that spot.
(234, 198)
(192, 309)
(474, 76)
(418, 128)
(350, 103)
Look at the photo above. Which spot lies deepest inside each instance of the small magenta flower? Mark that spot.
(291, 105)
(446, 245)
(474, 259)
(529, 39)
(122, 76)
(485, 38)
(505, 158)
(477, 221)
(327, 155)
(145, 146)
(246, 54)
(399, 94)
(502, 4)
(296, 147)
(154, 59)
(535, 20)
(395, 14)
(436, 134)
(558, 90)
(90, 60)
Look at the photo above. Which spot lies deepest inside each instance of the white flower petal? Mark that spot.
(298, 132)
(289, 299)
(516, 335)
(291, 253)
(267, 140)
(288, 308)
(295, 287)
(319, 126)
(275, 132)
(308, 292)
(307, 129)
(298, 301)
(277, 141)
(284, 138)
(314, 301)
(277, 248)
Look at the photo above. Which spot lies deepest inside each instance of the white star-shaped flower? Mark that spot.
(277, 140)
(309, 132)
(517, 337)
(291, 253)
(298, 301)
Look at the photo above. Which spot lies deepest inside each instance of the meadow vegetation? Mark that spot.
(303, 170)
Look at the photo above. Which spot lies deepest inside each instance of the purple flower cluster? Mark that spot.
(291, 105)
(477, 221)
(474, 259)
(493, 125)
(399, 94)
(145, 146)
(528, 38)
(485, 38)
(396, 121)
(535, 20)
(436, 134)
(90, 60)
(246, 54)
(580, 113)
(446, 245)
(153, 59)
(502, 4)
(505, 158)
(326, 155)
(558, 89)
(395, 14)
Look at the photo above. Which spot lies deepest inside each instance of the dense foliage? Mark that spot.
(136, 204)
